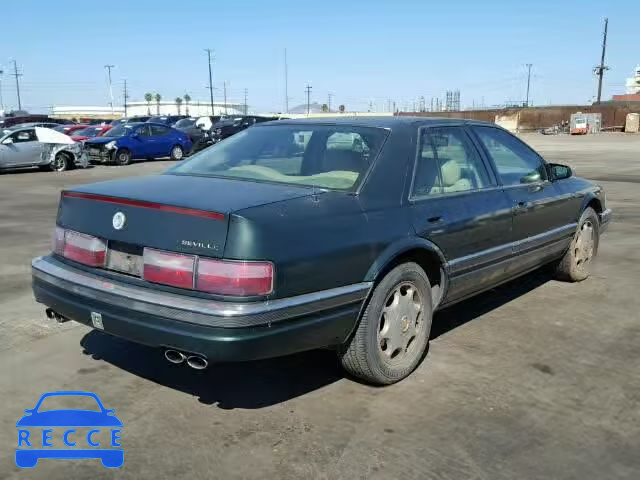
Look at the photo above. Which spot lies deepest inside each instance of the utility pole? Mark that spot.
(108, 68)
(245, 100)
(529, 65)
(286, 83)
(329, 100)
(599, 70)
(1, 102)
(224, 86)
(308, 89)
(17, 75)
(125, 95)
(208, 50)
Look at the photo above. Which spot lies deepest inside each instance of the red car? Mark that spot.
(90, 131)
(69, 129)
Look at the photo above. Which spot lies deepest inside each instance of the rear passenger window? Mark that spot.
(157, 130)
(448, 163)
(516, 163)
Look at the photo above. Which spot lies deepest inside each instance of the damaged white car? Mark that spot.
(40, 147)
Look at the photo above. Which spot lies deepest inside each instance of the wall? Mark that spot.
(534, 118)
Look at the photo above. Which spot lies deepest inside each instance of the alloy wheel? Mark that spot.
(400, 322)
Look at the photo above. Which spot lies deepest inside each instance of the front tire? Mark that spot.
(177, 153)
(60, 163)
(393, 333)
(575, 266)
(123, 157)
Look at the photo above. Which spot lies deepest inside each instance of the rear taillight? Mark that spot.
(80, 247)
(168, 268)
(221, 277)
(234, 278)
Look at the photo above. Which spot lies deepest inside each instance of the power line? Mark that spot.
(208, 50)
(17, 75)
(599, 70)
(109, 67)
(308, 89)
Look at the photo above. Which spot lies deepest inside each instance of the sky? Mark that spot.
(361, 52)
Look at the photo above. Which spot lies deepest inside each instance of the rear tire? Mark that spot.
(123, 157)
(576, 262)
(177, 153)
(60, 163)
(393, 333)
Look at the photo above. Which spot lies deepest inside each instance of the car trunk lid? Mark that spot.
(187, 214)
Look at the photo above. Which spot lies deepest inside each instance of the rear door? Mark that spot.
(162, 140)
(541, 226)
(457, 204)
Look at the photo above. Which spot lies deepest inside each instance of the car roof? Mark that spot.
(389, 122)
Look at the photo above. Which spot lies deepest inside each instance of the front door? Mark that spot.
(22, 150)
(161, 140)
(541, 229)
(457, 204)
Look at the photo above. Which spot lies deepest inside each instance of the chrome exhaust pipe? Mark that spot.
(174, 356)
(197, 362)
(50, 314)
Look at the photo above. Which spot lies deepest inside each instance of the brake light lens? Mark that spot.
(80, 247)
(234, 278)
(168, 268)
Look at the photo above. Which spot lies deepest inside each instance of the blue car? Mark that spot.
(29, 434)
(130, 141)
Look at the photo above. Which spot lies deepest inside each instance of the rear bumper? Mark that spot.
(605, 219)
(220, 331)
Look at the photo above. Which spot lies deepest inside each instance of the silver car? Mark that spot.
(42, 147)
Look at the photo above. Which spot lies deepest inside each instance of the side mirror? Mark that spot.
(135, 135)
(29, 410)
(7, 141)
(559, 172)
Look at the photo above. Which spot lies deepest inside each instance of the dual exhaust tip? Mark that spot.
(197, 362)
(53, 315)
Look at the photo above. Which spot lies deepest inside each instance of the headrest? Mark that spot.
(450, 173)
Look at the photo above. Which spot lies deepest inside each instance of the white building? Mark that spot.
(196, 108)
(633, 83)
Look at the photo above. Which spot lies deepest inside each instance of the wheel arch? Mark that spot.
(591, 200)
(421, 251)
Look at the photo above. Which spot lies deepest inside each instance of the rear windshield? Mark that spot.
(88, 132)
(333, 157)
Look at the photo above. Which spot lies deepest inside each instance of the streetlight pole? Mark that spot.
(1, 102)
(208, 50)
(529, 65)
(108, 68)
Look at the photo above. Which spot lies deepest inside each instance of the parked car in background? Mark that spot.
(231, 125)
(136, 119)
(299, 234)
(200, 137)
(41, 147)
(166, 119)
(31, 125)
(69, 129)
(130, 141)
(6, 122)
(90, 132)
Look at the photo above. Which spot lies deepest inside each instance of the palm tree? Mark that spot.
(187, 99)
(148, 97)
(158, 97)
(178, 103)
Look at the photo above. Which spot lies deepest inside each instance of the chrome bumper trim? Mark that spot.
(186, 308)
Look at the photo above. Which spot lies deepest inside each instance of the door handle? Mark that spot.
(435, 219)
(521, 207)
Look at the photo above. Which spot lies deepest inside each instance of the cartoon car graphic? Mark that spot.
(105, 418)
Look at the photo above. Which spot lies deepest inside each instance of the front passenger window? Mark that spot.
(516, 163)
(24, 136)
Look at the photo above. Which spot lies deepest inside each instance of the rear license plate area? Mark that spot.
(125, 258)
